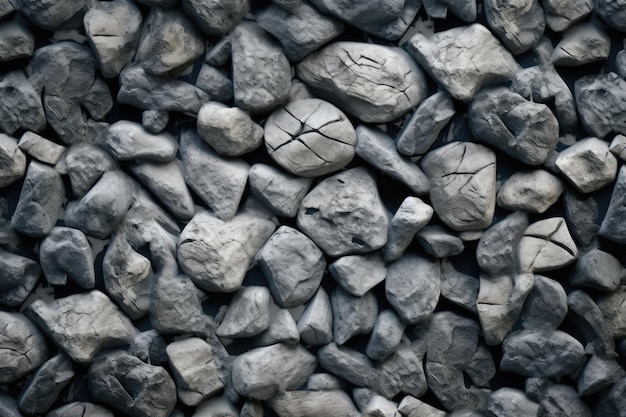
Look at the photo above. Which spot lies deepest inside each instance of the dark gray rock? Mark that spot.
(620, 63)
(530, 191)
(511, 402)
(8, 404)
(248, 313)
(411, 406)
(598, 270)
(127, 384)
(611, 306)
(128, 141)
(85, 165)
(403, 371)
(582, 217)
(310, 138)
(386, 335)
(313, 404)
(352, 315)
(459, 288)
(373, 82)
(40, 148)
(618, 147)
(219, 54)
(600, 372)
(24, 347)
(357, 274)
(561, 14)
(600, 99)
(582, 44)
(149, 347)
(216, 17)
(588, 165)
(252, 408)
(65, 253)
(546, 305)
(216, 82)
(282, 329)
(40, 201)
(546, 245)
(518, 25)
(7, 7)
(16, 41)
(13, 161)
(612, 227)
(562, 401)
(324, 382)
(592, 328)
(80, 409)
(18, 277)
(466, 10)
(462, 184)
(411, 216)
(46, 384)
(280, 191)
(497, 250)
(21, 105)
(51, 15)
(612, 12)
(463, 59)
(154, 121)
(344, 214)
(159, 3)
(438, 242)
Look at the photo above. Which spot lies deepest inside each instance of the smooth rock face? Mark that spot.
(464, 59)
(511, 402)
(438, 242)
(546, 305)
(598, 270)
(128, 141)
(582, 44)
(462, 184)
(315, 325)
(40, 148)
(386, 335)
(561, 14)
(530, 191)
(600, 100)
(338, 221)
(497, 251)
(64, 253)
(24, 347)
(588, 165)
(21, 105)
(375, 83)
(12, 159)
(248, 313)
(352, 315)
(310, 138)
(519, 25)
(282, 329)
(46, 384)
(280, 191)
(546, 245)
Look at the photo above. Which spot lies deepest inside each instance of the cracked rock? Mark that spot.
(598, 270)
(497, 250)
(582, 44)
(85, 165)
(12, 159)
(530, 191)
(46, 384)
(16, 41)
(248, 313)
(386, 335)
(562, 401)
(315, 325)
(216, 17)
(411, 216)
(21, 105)
(313, 404)
(518, 25)
(438, 242)
(280, 191)
(547, 245)
(601, 99)
(18, 277)
(40, 148)
(128, 141)
(561, 14)
(588, 165)
(546, 305)
(24, 347)
(352, 315)
(65, 253)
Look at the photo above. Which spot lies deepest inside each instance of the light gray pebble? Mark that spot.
(588, 165)
(46, 384)
(411, 216)
(386, 335)
(40, 148)
(279, 190)
(530, 191)
(127, 140)
(547, 245)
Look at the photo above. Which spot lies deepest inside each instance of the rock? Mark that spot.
(582, 217)
(299, 27)
(40, 201)
(16, 41)
(280, 191)
(252, 408)
(24, 347)
(403, 371)
(41, 148)
(127, 384)
(352, 315)
(196, 372)
(600, 99)
(82, 324)
(44, 387)
(373, 82)
(421, 130)
(220, 52)
(310, 138)
(64, 253)
(497, 250)
(12, 159)
(113, 30)
(21, 105)
(315, 324)
(500, 301)
(216, 254)
(248, 313)
(313, 404)
(611, 306)
(282, 329)
(541, 353)
(412, 287)
(216, 82)
(562, 400)
(438, 242)
(525, 130)
(377, 148)
(591, 325)
(7, 7)
(530, 191)
(8, 404)
(149, 347)
(612, 227)
(518, 25)
(100, 211)
(600, 372)
(462, 179)
(128, 141)
(219, 181)
(51, 15)
(262, 373)
(411, 406)
(459, 288)
(618, 147)
(598, 270)
(357, 274)
(535, 387)
(411, 216)
(546, 305)
(511, 402)
(324, 382)
(463, 59)
(620, 63)
(612, 12)
(546, 245)
(588, 165)
(216, 17)
(219, 407)
(561, 14)
(380, 406)
(18, 277)
(386, 335)
(79, 409)
(344, 214)
(581, 45)
(466, 10)
(261, 72)
(154, 121)
(230, 131)
(85, 165)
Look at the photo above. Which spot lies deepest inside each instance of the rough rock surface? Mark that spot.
(248, 313)
(23, 344)
(530, 191)
(21, 105)
(546, 245)
(280, 191)
(216, 17)
(128, 141)
(519, 25)
(65, 253)
(44, 387)
(13, 161)
(600, 116)
(587, 165)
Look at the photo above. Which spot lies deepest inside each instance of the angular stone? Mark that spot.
(263, 372)
(344, 214)
(65, 253)
(248, 313)
(373, 82)
(18, 277)
(12, 159)
(21, 105)
(438, 242)
(313, 404)
(216, 17)
(403, 371)
(149, 347)
(612, 12)
(80, 409)
(24, 347)
(546, 305)
(465, 10)
(600, 372)
(352, 315)
(618, 147)
(546, 245)
(7, 7)
(411, 216)
(612, 226)
(611, 306)
(46, 384)
(310, 137)
(85, 165)
(588, 165)
(154, 121)
(282, 329)
(497, 251)
(386, 335)
(219, 53)
(592, 328)
(216, 82)
(459, 288)
(51, 15)
(315, 325)
(324, 382)
(598, 270)
(620, 63)
(252, 408)
(280, 191)
(16, 41)
(41, 148)
(561, 14)
(518, 25)
(412, 407)
(582, 44)
(530, 191)
(83, 324)
(357, 274)
(380, 406)
(128, 141)
(462, 184)
(412, 287)
(563, 401)
(601, 100)
(582, 217)
(463, 59)
(506, 402)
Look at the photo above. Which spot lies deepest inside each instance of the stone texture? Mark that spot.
(216, 17)
(216, 82)
(282, 329)
(386, 335)
(611, 306)
(511, 402)
(46, 384)
(13, 161)
(65, 253)
(24, 347)
(313, 404)
(598, 270)
(582, 217)
(439, 242)
(248, 313)
(612, 227)
(315, 324)
(51, 15)
(79, 409)
(601, 100)
(16, 41)
(547, 245)
(530, 191)
(592, 328)
(18, 277)
(352, 315)
(357, 274)
(21, 105)
(411, 216)
(128, 141)
(561, 14)
(562, 400)
(459, 288)
(85, 165)
(40, 148)
(600, 372)
(465, 10)
(582, 44)
(546, 305)
(497, 250)
(280, 191)
(588, 165)
(612, 12)
(154, 121)
(149, 347)
(518, 25)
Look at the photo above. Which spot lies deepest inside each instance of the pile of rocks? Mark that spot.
(312, 208)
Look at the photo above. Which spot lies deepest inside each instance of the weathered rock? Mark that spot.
(149, 347)
(280, 191)
(46, 384)
(546, 305)
(40, 148)
(612, 12)
(21, 105)
(561, 14)
(582, 217)
(252, 408)
(219, 407)
(263, 372)
(466, 10)
(219, 53)
(313, 404)
(315, 325)
(438, 242)
(546, 245)
(518, 25)
(511, 402)
(154, 121)
(310, 137)
(85, 165)
(282, 329)
(51, 15)
(16, 41)
(80, 409)
(581, 45)
(386, 335)
(24, 347)
(612, 226)
(12, 159)
(530, 191)
(459, 288)
(65, 253)
(411, 216)
(373, 82)
(601, 100)
(8, 404)
(248, 313)
(216, 82)
(128, 141)
(7, 7)
(588, 165)
(562, 401)
(598, 270)
(600, 372)
(592, 328)
(463, 59)
(357, 274)
(324, 382)
(18, 276)
(620, 63)
(618, 147)
(403, 371)
(352, 315)
(497, 250)
(611, 306)
(411, 406)
(462, 184)
(216, 17)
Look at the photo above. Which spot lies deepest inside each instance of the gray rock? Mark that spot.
(65, 253)
(7, 7)
(600, 99)
(230, 131)
(127, 384)
(40, 201)
(282, 329)
(378, 149)
(611, 403)
(315, 325)
(216, 407)
(541, 353)
(51, 15)
(280, 191)
(497, 250)
(412, 287)
(611, 306)
(196, 372)
(21, 105)
(506, 402)
(546, 245)
(40, 148)
(588, 165)
(248, 313)
(261, 72)
(562, 401)
(620, 63)
(352, 315)
(600, 372)
(463, 59)
(80, 409)
(219, 53)
(612, 12)
(581, 45)
(462, 184)
(128, 141)
(344, 214)
(412, 407)
(216, 17)
(403, 371)
(582, 217)
(612, 227)
(262, 373)
(8, 404)
(380, 406)
(113, 30)
(518, 25)
(219, 181)
(386, 335)
(618, 147)
(466, 10)
(299, 27)
(18, 276)
(546, 305)
(13, 161)
(592, 328)
(505, 120)
(153, 92)
(530, 191)
(16, 41)
(216, 82)
(357, 274)
(154, 121)
(82, 324)
(24, 347)
(310, 137)
(100, 211)
(459, 288)
(324, 382)
(438, 242)
(149, 347)
(216, 254)
(252, 408)
(411, 216)
(561, 14)
(169, 42)
(373, 82)
(159, 3)
(85, 165)
(598, 270)
(46, 384)
(421, 130)
(500, 301)
(313, 404)
(535, 387)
